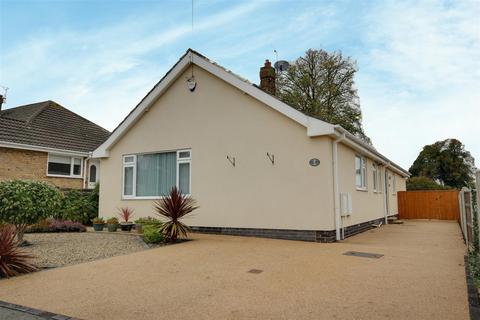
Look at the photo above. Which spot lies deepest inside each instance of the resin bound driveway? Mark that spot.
(420, 276)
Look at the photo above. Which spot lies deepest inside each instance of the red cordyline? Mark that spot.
(13, 260)
(126, 214)
(174, 207)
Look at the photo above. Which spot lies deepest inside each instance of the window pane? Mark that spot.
(184, 177)
(59, 168)
(93, 173)
(184, 154)
(77, 166)
(129, 159)
(128, 181)
(156, 173)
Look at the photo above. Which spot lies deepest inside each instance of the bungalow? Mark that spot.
(45, 141)
(255, 165)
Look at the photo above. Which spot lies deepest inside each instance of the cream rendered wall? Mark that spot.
(217, 120)
(366, 204)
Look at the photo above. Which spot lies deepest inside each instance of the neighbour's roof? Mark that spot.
(50, 125)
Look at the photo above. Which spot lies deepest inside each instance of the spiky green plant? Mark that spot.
(174, 207)
(13, 260)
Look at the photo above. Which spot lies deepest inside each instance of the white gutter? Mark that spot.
(336, 188)
(22, 146)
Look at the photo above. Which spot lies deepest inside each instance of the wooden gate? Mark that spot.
(428, 204)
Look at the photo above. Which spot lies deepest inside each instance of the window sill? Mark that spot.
(61, 176)
(148, 198)
(362, 189)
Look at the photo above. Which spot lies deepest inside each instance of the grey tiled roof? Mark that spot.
(48, 124)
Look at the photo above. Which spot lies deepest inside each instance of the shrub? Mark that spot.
(27, 202)
(152, 234)
(174, 207)
(112, 220)
(423, 183)
(13, 260)
(98, 220)
(79, 207)
(148, 221)
(126, 214)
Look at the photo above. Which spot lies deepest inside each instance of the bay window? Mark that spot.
(152, 175)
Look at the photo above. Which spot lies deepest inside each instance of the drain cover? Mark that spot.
(255, 271)
(363, 254)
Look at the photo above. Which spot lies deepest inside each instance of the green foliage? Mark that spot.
(148, 221)
(98, 220)
(174, 207)
(423, 183)
(151, 234)
(321, 84)
(25, 202)
(112, 220)
(79, 207)
(446, 161)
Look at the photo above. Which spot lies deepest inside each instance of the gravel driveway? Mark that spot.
(61, 249)
(420, 276)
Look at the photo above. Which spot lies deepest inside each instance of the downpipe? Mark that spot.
(336, 188)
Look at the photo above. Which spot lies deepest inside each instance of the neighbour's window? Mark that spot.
(59, 165)
(360, 172)
(154, 174)
(375, 177)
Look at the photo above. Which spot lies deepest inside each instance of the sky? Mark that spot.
(418, 62)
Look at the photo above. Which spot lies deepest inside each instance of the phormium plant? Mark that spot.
(174, 207)
(126, 214)
(13, 260)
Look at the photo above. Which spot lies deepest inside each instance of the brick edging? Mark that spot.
(472, 292)
(290, 234)
(35, 312)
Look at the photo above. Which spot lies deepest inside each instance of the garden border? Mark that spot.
(472, 293)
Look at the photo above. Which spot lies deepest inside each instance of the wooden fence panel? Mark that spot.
(428, 204)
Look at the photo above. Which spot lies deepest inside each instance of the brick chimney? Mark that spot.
(267, 78)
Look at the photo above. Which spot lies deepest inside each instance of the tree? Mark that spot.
(26, 202)
(423, 183)
(447, 162)
(321, 85)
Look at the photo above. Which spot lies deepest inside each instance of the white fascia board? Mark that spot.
(351, 141)
(102, 150)
(317, 127)
(5, 144)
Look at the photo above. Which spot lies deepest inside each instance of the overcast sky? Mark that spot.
(419, 62)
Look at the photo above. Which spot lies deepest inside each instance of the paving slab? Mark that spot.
(421, 275)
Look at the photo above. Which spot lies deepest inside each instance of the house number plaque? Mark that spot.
(314, 162)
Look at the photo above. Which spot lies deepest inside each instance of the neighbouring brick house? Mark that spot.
(45, 141)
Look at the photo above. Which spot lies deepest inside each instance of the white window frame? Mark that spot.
(134, 165)
(381, 180)
(375, 177)
(363, 173)
(185, 160)
(72, 162)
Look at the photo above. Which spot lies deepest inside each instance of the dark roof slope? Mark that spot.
(48, 124)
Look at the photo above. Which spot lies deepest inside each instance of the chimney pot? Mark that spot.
(268, 78)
